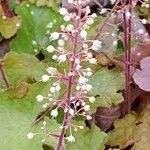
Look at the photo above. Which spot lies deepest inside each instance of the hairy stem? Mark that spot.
(70, 84)
(127, 45)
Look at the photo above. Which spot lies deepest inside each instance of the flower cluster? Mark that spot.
(76, 79)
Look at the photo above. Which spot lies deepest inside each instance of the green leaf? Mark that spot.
(105, 84)
(134, 127)
(88, 139)
(16, 119)
(8, 26)
(49, 3)
(23, 67)
(35, 19)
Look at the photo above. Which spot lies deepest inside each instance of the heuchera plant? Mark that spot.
(79, 53)
(76, 79)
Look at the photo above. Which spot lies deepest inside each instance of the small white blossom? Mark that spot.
(89, 73)
(71, 112)
(96, 45)
(128, 15)
(88, 117)
(51, 70)
(89, 55)
(103, 11)
(83, 34)
(39, 98)
(63, 11)
(140, 31)
(69, 27)
(50, 49)
(82, 80)
(88, 87)
(144, 21)
(92, 61)
(87, 107)
(30, 135)
(77, 61)
(70, 1)
(67, 18)
(45, 105)
(81, 127)
(115, 42)
(61, 42)
(92, 99)
(62, 58)
(54, 57)
(70, 139)
(90, 21)
(45, 78)
(54, 36)
(113, 2)
(57, 87)
(54, 113)
(34, 43)
(94, 15)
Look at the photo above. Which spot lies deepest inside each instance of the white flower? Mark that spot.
(50, 49)
(54, 36)
(144, 21)
(96, 45)
(45, 78)
(57, 87)
(34, 43)
(39, 98)
(54, 57)
(81, 127)
(70, 1)
(90, 21)
(69, 27)
(70, 138)
(63, 11)
(89, 73)
(115, 42)
(61, 42)
(88, 87)
(94, 15)
(103, 11)
(89, 55)
(83, 34)
(71, 112)
(113, 1)
(54, 113)
(77, 61)
(30, 135)
(92, 61)
(51, 70)
(87, 107)
(67, 18)
(62, 58)
(88, 117)
(128, 15)
(82, 80)
(140, 31)
(92, 99)
(45, 105)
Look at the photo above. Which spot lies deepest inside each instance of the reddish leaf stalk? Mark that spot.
(3, 76)
(6, 9)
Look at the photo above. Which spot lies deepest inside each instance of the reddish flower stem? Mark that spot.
(127, 45)
(70, 84)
